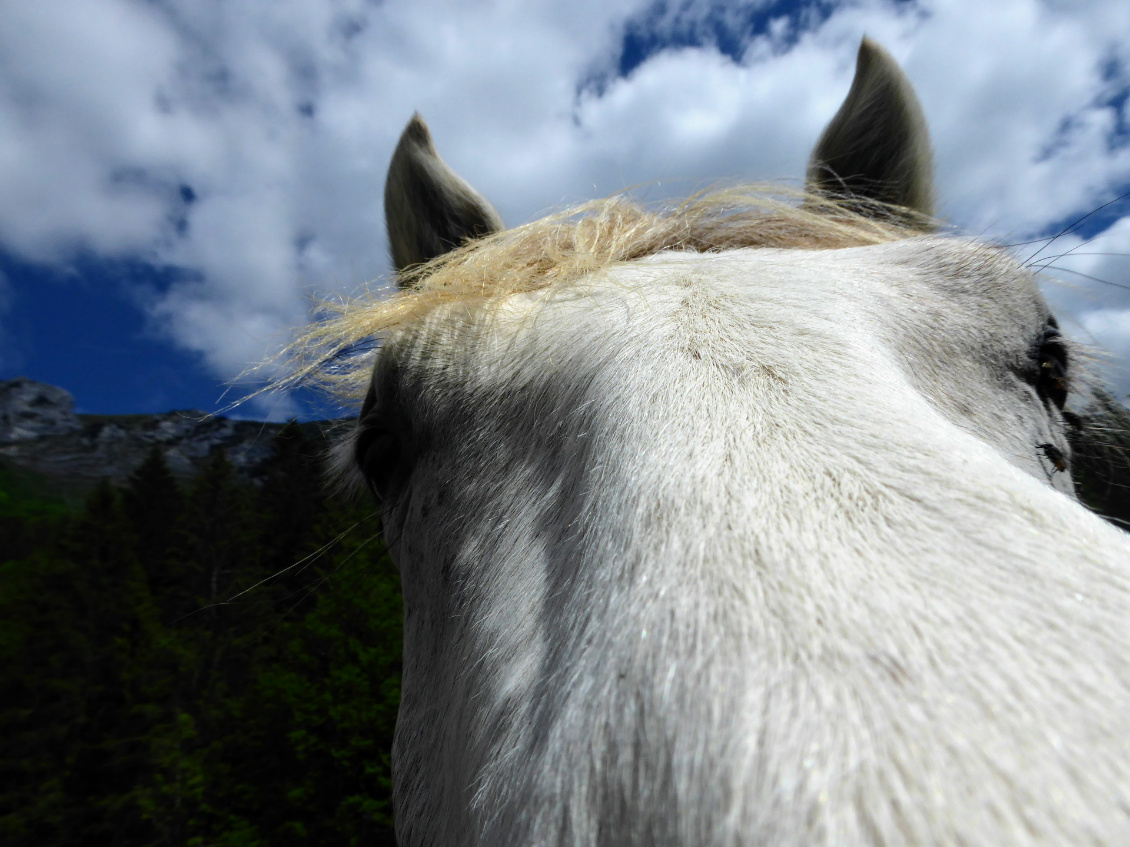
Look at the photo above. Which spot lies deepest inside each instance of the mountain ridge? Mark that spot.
(41, 434)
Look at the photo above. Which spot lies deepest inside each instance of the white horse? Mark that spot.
(734, 525)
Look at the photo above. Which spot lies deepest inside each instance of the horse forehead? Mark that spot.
(923, 316)
(946, 273)
(920, 293)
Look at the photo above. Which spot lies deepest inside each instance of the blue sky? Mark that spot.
(179, 179)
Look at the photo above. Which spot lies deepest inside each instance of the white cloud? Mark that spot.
(1018, 104)
(1112, 328)
(281, 115)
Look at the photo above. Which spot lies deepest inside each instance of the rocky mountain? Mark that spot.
(41, 434)
(31, 410)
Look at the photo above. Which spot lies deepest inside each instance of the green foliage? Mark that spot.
(173, 676)
(24, 496)
(334, 691)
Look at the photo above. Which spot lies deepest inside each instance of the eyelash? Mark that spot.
(1051, 359)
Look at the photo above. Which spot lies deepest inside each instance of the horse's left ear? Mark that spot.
(429, 209)
(877, 147)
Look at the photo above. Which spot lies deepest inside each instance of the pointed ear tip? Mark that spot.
(417, 130)
(872, 53)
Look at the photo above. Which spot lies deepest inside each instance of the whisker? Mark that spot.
(1058, 269)
(306, 561)
(327, 577)
(1070, 229)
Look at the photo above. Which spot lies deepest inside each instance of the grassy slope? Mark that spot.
(26, 494)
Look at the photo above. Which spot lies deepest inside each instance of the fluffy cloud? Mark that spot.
(247, 143)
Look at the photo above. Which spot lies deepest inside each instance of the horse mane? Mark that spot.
(564, 247)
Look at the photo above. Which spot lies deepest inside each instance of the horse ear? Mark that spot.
(429, 210)
(877, 147)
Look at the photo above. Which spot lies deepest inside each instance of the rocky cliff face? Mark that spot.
(39, 432)
(30, 410)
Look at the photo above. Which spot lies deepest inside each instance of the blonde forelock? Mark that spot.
(565, 247)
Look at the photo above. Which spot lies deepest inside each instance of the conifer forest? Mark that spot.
(210, 663)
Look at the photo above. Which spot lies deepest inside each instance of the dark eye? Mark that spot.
(378, 456)
(1050, 355)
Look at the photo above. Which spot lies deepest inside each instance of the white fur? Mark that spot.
(751, 548)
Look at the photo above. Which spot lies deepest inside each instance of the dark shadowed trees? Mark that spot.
(199, 665)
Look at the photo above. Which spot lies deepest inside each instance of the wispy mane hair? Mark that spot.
(565, 247)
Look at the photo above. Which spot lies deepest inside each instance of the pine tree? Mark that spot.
(153, 504)
(291, 498)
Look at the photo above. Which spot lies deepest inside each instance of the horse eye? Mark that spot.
(378, 456)
(1051, 366)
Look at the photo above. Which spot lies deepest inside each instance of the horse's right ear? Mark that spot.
(428, 208)
(877, 147)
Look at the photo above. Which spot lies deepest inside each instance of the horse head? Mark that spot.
(735, 525)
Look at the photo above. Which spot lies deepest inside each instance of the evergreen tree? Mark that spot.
(291, 498)
(153, 504)
(218, 541)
